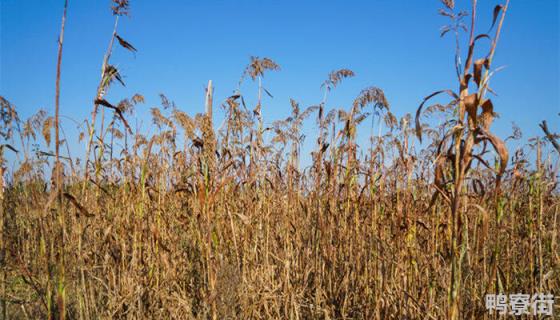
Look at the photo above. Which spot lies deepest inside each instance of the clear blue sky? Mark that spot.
(394, 45)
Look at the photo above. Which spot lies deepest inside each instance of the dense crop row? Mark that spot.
(197, 221)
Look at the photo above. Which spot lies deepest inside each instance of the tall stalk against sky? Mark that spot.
(109, 73)
(471, 129)
(58, 187)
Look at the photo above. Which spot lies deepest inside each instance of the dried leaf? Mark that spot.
(111, 73)
(268, 93)
(125, 44)
(480, 36)
(497, 10)
(471, 106)
(478, 64)
(5, 145)
(419, 110)
(444, 30)
(105, 103)
(500, 148)
(487, 115)
(550, 136)
(76, 204)
(445, 13)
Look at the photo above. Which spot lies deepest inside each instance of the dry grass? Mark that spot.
(197, 222)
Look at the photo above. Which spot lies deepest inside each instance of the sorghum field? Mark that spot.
(202, 220)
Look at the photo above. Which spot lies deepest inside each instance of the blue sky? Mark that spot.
(394, 45)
